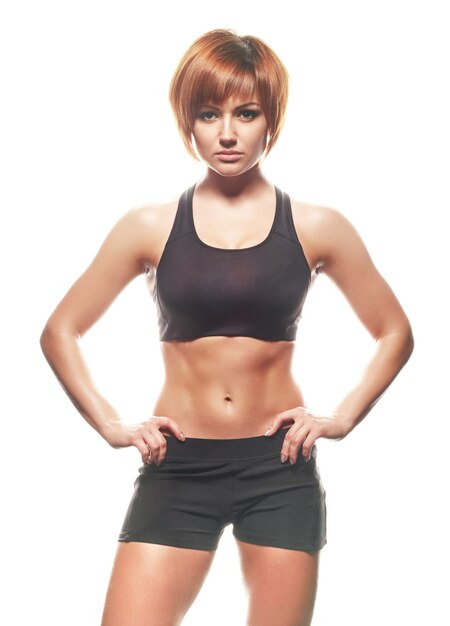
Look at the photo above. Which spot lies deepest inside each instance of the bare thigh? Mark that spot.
(281, 583)
(153, 585)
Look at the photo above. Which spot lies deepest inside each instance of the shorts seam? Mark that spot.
(263, 540)
(159, 539)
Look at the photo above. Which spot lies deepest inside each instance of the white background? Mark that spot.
(87, 133)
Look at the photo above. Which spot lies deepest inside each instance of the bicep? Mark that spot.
(117, 262)
(348, 263)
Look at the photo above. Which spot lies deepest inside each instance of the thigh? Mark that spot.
(182, 503)
(278, 504)
(281, 584)
(153, 584)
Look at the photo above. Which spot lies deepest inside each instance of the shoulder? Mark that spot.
(151, 215)
(324, 231)
(143, 229)
(318, 218)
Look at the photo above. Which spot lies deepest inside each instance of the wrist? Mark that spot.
(109, 427)
(344, 422)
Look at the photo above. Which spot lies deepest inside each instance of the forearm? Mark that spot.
(391, 354)
(63, 354)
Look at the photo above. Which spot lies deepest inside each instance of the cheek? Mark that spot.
(257, 136)
(201, 137)
(259, 141)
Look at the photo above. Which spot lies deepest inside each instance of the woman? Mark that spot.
(231, 440)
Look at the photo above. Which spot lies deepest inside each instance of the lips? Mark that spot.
(229, 155)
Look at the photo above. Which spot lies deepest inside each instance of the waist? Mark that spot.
(225, 387)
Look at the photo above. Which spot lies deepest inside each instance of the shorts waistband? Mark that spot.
(247, 447)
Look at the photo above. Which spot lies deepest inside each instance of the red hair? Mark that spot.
(220, 64)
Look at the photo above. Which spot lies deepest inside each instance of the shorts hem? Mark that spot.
(277, 543)
(164, 540)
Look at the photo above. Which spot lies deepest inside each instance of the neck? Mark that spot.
(232, 186)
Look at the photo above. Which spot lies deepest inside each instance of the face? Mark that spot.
(231, 137)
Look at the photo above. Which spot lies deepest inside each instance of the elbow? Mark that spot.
(401, 342)
(50, 336)
(410, 342)
(407, 342)
(45, 339)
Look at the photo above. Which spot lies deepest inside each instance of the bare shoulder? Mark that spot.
(153, 214)
(335, 245)
(149, 225)
(324, 232)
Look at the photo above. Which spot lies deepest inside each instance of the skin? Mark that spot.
(224, 387)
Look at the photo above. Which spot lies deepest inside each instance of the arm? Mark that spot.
(121, 258)
(344, 258)
(349, 265)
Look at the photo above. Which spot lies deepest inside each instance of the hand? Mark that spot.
(307, 428)
(146, 436)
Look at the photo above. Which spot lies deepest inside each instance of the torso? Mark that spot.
(227, 387)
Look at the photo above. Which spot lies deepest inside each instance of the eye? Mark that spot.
(207, 116)
(248, 114)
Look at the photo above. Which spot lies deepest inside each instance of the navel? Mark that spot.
(227, 398)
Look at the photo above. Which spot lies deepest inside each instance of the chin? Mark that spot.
(231, 170)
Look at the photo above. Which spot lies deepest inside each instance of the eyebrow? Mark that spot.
(240, 106)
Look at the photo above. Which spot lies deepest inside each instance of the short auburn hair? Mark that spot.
(220, 64)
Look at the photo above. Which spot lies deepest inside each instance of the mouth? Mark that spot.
(229, 155)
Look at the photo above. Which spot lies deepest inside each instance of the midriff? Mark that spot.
(226, 387)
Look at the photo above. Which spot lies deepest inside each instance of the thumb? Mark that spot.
(172, 425)
(280, 418)
(177, 431)
(289, 412)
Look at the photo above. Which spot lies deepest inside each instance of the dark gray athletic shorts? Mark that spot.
(203, 485)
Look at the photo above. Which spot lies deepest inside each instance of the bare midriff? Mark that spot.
(227, 387)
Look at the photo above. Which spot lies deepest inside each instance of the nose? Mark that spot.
(227, 132)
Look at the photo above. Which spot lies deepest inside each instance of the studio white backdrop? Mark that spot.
(87, 133)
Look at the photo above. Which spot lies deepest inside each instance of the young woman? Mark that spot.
(231, 440)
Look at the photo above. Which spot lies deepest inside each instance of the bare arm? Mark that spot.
(344, 258)
(121, 258)
(349, 265)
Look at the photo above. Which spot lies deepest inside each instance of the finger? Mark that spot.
(283, 417)
(157, 446)
(277, 423)
(307, 446)
(291, 444)
(144, 451)
(162, 448)
(172, 425)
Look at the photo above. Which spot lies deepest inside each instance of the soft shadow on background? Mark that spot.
(87, 133)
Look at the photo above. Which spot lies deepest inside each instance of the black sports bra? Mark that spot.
(259, 291)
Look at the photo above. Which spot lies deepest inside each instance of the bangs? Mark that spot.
(213, 85)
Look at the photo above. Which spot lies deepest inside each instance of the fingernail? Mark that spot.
(291, 461)
(182, 436)
(267, 432)
(283, 458)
